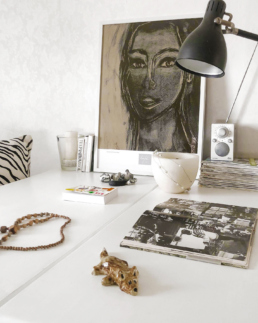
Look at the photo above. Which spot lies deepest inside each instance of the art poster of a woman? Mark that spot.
(146, 102)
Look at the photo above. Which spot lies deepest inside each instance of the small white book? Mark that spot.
(90, 194)
(89, 152)
(80, 153)
(85, 154)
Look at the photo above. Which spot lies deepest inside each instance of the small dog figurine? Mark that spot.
(118, 273)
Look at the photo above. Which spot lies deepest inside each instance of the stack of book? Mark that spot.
(239, 174)
(85, 153)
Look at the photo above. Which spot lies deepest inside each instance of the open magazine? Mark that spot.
(211, 232)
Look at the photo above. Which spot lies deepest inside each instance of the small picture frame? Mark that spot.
(146, 102)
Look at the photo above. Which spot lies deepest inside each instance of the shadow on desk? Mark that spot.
(153, 286)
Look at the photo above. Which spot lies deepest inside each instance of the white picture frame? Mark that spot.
(137, 161)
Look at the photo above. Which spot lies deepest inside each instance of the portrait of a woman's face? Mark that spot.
(154, 81)
(146, 102)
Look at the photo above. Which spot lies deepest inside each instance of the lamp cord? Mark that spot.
(241, 83)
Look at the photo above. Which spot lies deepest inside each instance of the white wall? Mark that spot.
(50, 68)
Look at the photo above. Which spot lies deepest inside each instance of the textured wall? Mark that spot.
(50, 68)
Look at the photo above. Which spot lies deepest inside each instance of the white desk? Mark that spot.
(43, 193)
(170, 288)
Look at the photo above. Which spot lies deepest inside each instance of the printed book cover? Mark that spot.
(90, 194)
(210, 232)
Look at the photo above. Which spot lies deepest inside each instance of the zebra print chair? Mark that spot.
(15, 156)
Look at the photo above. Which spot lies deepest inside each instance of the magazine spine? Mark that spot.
(84, 156)
(89, 153)
(80, 153)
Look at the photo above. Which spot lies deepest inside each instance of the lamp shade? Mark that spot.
(204, 51)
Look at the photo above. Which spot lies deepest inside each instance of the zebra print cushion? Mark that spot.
(15, 159)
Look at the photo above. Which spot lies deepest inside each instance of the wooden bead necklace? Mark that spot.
(13, 229)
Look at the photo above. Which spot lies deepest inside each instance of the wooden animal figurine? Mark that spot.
(117, 273)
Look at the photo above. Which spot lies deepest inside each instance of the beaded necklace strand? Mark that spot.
(13, 229)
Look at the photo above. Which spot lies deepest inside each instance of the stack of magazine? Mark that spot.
(209, 232)
(239, 174)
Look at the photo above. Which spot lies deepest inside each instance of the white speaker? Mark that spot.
(222, 141)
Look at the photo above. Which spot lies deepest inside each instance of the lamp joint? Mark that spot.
(230, 26)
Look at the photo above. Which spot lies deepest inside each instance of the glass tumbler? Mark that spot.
(68, 147)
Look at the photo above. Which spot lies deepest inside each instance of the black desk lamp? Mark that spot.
(204, 51)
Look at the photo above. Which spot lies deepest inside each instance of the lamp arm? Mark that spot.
(246, 34)
(230, 29)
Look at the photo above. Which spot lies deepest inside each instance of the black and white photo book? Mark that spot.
(210, 232)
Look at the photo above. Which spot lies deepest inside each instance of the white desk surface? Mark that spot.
(170, 288)
(43, 193)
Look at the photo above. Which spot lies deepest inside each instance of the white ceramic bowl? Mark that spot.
(175, 172)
